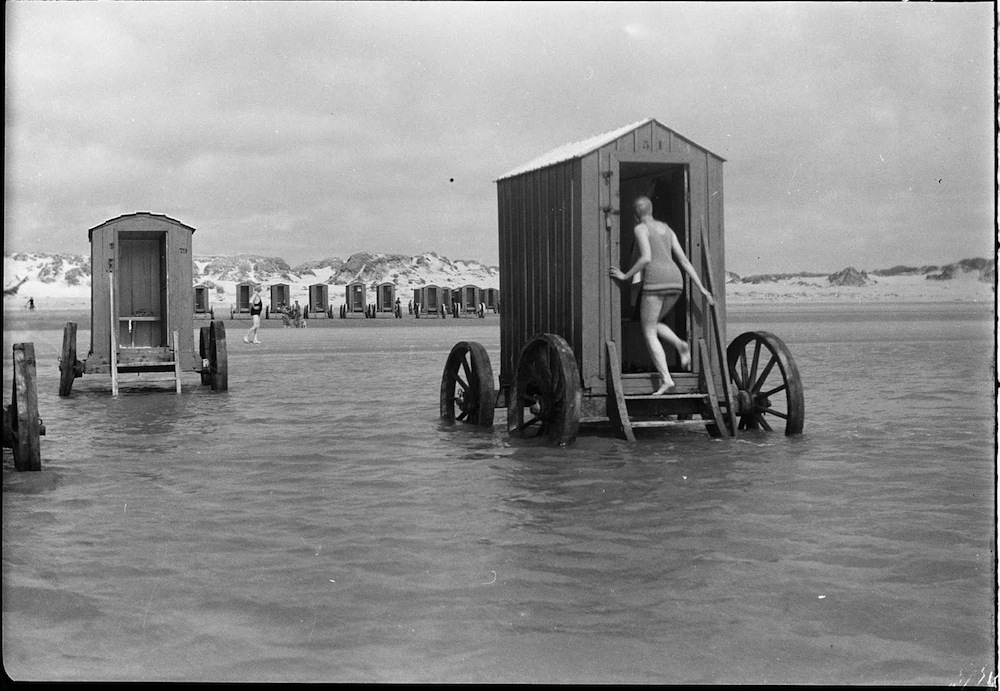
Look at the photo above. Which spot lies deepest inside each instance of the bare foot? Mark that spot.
(686, 357)
(666, 387)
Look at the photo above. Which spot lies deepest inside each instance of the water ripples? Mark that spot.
(317, 522)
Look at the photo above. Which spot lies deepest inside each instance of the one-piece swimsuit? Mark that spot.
(661, 275)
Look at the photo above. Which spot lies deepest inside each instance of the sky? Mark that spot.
(855, 133)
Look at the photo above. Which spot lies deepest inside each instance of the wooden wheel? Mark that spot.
(25, 424)
(546, 394)
(67, 361)
(218, 361)
(767, 383)
(204, 350)
(467, 392)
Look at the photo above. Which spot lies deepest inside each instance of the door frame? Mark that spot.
(612, 294)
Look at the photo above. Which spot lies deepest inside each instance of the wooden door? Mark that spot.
(141, 290)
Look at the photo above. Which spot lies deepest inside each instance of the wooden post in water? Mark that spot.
(27, 451)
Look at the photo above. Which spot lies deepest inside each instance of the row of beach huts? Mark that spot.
(429, 300)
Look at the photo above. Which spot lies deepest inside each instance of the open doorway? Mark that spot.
(666, 185)
(141, 290)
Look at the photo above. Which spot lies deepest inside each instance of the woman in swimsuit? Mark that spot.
(256, 307)
(661, 287)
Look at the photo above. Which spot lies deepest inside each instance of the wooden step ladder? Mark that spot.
(705, 400)
(172, 364)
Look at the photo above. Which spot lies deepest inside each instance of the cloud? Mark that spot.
(381, 126)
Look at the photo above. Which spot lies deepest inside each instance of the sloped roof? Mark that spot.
(162, 217)
(573, 150)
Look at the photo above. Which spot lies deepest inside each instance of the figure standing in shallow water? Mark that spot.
(662, 285)
(256, 307)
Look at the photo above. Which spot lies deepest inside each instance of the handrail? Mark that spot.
(713, 317)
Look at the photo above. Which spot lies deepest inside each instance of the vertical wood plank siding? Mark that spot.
(102, 250)
(539, 250)
(179, 284)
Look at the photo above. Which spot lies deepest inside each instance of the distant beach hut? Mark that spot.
(491, 296)
(202, 304)
(356, 297)
(469, 298)
(319, 302)
(244, 293)
(385, 297)
(281, 298)
(432, 299)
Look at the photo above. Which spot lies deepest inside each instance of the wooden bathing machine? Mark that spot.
(385, 297)
(571, 346)
(141, 298)
(244, 294)
(318, 305)
(491, 298)
(566, 218)
(433, 299)
(202, 303)
(356, 297)
(469, 297)
(281, 299)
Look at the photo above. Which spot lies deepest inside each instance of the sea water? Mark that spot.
(317, 522)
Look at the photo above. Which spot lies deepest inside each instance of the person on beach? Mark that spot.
(661, 288)
(256, 307)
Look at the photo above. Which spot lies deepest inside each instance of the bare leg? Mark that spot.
(649, 316)
(667, 334)
(252, 333)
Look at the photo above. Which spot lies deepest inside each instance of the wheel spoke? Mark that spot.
(763, 423)
(462, 382)
(768, 394)
(770, 411)
(738, 371)
(743, 369)
(763, 375)
(468, 370)
(465, 414)
(756, 358)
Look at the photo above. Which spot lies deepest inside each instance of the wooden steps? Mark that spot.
(665, 397)
(628, 412)
(127, 360)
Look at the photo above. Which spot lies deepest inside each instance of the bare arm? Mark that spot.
(645, 255)
(682, 260)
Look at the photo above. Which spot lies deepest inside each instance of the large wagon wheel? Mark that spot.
(204, 351)
(546, 397)
(218, 360)
(767, 382)
(467, 392)
(67, 361)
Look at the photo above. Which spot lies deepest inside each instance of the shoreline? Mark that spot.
(55, 318)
